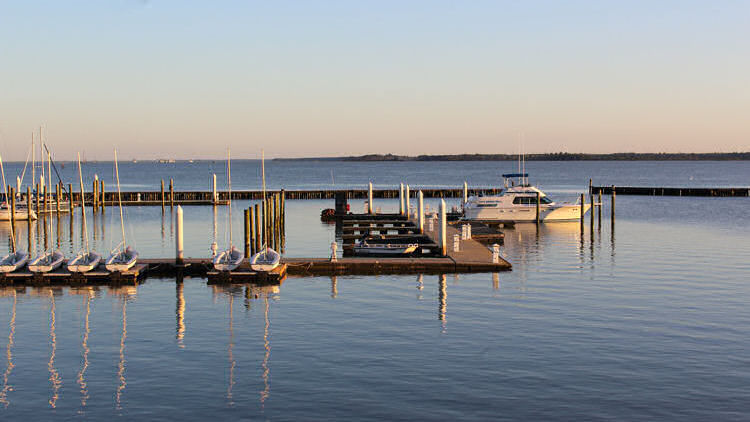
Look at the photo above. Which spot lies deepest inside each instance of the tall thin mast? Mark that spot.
(33, 163)
(229, 181)
(83, 207)
(119, 200)
(263, 170)
(10, 219)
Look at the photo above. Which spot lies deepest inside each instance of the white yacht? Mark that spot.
(517, 204)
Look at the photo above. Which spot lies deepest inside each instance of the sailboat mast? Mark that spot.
(263, 170)
(229, 181)
(33, 164)
(10, 220)
(83, 208)
(119, 200)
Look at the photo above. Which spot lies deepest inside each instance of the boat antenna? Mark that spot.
(10, 222)
(119, 200)
(83, 207)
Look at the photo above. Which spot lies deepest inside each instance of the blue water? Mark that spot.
(644, 320)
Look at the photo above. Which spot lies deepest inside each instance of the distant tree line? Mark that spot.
(554, 156)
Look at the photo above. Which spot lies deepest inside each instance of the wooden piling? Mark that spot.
(251, 228)
(70, 198)
(443, 228)
(171, 193)
(38, 198)
(369, 199)
(12, 208)
(247, 232)
(538, 200)
(612, 208)
(95, 192)
(258, 239)
(420, 217)
(179, 258)
(600, 208)
(58, 197)
(28, 205)
(162, 196)
(583, 208)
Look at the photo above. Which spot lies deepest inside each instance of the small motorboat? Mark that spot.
(265, 261)
(46, 262)
(13, 262)
(121, 260)
(84, 262)
(228, 260)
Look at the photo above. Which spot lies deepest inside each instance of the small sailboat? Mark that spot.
(122, 257)
(16, 259)
(266, 259)
(86, 260)
(231, 258)
(49, 260)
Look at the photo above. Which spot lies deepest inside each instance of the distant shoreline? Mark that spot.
(558, 156)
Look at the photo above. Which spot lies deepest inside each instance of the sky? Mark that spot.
(189, 79)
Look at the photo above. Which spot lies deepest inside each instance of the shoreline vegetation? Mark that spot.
(555, 156)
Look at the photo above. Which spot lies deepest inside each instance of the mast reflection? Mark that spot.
(85, 348)
(267, 345)
(54, 375)
(443, 300)
(230, 350)
(9, 354)
(125, 293)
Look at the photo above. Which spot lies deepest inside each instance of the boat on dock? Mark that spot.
(46, 262)
(123, 257)
(265, 261)
(14, 261)
(229, 259)
(86, 260)
(517, 204)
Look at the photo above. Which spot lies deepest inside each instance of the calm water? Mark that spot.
(646, 321)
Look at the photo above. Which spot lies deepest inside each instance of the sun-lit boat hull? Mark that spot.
(265, 261)
(46, 262)
(13, 262)
(384, 249)
(121, 261)
(547, 213)
(20, 214)
(228, 260)
(84, 262)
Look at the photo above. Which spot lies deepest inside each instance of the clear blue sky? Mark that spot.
(186, 79)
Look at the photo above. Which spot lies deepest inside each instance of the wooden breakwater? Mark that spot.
(665, 191)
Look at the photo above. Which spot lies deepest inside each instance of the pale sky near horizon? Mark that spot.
(187, 79)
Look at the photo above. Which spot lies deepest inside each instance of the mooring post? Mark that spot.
(600, 207)
(538, 199)
(401, 199)
(58, 191)
(407, 203)
(247, 232)
(101, 196)
(612, 208)
(38, 198)
(591, 189)
(162, 196)
(171, 193)
(466, 194)
(456, 243)
(28, 204)
(95, 193)
(420, 218)
(369, 198)
(179, 258)
(583, 208)
(495, 253)
(70, 198)
(258, 240)
(252, 231)
(12, 208)
(214, 197)
(443, 224)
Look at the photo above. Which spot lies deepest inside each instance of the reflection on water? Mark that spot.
(54, 375)
(442, 300)
(180, 314)
(230, 351)
(334, 287)
(125, 293)
(85, 349)
(267, 346)
(9, 352)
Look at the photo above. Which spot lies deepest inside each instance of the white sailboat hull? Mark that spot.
(20, 214)
(49, 261)
(13, 262)
(121, 261)
(228, 260)
(84, 262)
(265, 261)
(383, 249)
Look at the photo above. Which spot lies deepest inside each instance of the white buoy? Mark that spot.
(443, 223)
(178, 238)
(369, 198)
(401, 199)
(421, 212)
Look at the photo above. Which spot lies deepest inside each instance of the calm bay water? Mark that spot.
(645, 320)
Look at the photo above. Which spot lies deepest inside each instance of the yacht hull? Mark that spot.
(527, 214)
